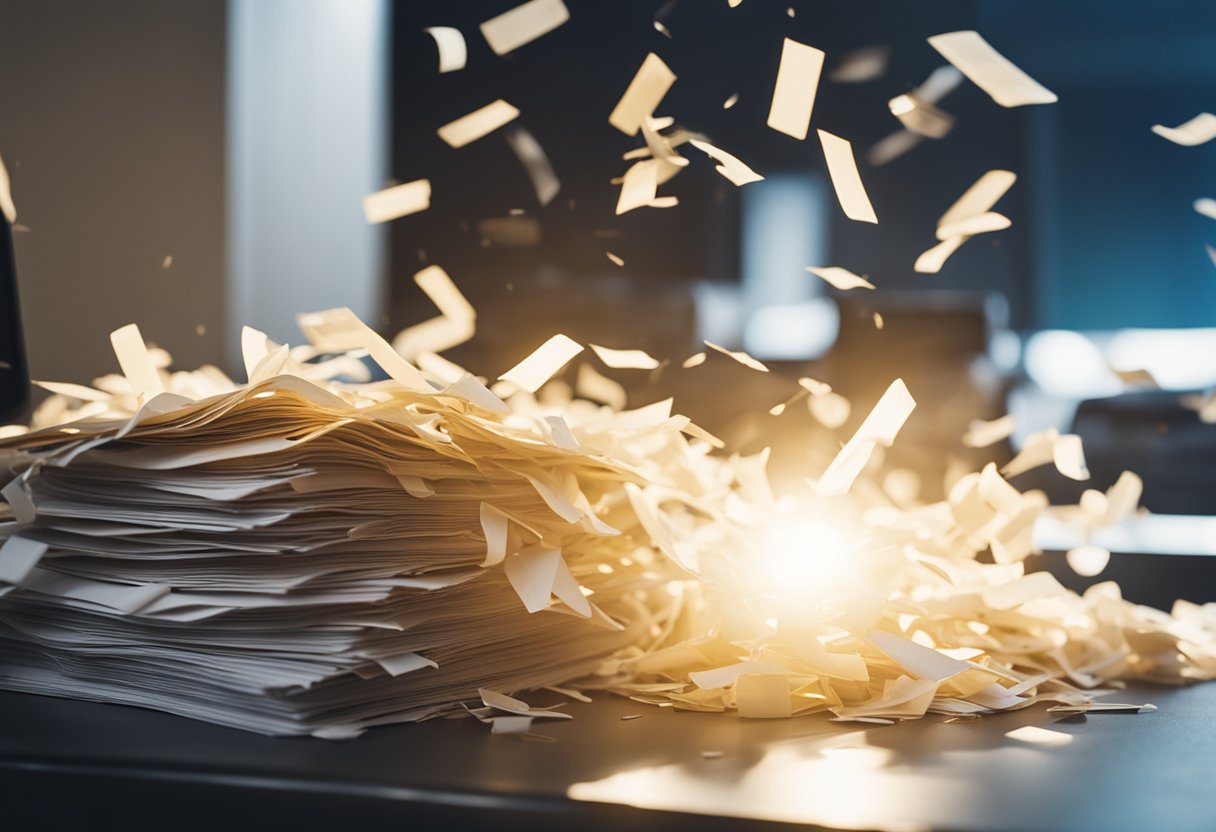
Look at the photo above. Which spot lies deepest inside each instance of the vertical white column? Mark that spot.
(308, 91)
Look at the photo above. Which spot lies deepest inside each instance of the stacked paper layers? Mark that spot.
(280, 560)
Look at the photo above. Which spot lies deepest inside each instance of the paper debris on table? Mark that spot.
(1199, 130)
(648, 87)
(532, 156)
(879, 428)
(840, 278)
(452, 50)
(397, 201)
(478, 123)
(989, 70)
(523, 24)
(846, 180)
(795, 90)
(728, 165)
(625, 359)
(861, 65)
(740, 356)
(1034, 735)
(7, 208)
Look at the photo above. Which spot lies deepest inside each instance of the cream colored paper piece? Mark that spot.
(694, 360)
(921, 117)
(648, 87)
(932, 260)
(918, 661)
(538, 573)
(846, 179)
(339, 329)
(861, 65)
(728, 165)
(733, 3)
(1206, 206)
(639, 186)
(453, 53)
(7, 208)
(830, 409)
(1033, 735)
(1199, 130)
(989, 70)
(742, 357)
(889, 148)
(523, 24)
(814, 386)
(478, 123)
(1088, 561)
(438, 286)
(982, 224)
(136, 363)
(532, 156)
(878, 320)
(591, 384)
(616, 261)
(545, 362)
(495, 526)
(983, 194)
(1069, 457)
(625, 359)
(662, 29)
(730, 102)
(398, 201)
(796, 88)
(982, 434)
(880, 427)
(840, 278)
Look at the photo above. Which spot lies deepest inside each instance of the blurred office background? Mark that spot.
(238, 139)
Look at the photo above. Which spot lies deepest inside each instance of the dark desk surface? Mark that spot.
(66, 764)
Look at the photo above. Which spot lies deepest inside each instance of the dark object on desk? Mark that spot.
(14, 377)
(79, 765)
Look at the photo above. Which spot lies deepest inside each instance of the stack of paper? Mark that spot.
(305, 556)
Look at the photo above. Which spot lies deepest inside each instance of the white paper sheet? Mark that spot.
(1199, 130)
(880, 427)
(846, 179)
(478, 123)
(796, 86)
(453, 53)
(523, 24)
(728, 165)
(648, 87)
(989, 70)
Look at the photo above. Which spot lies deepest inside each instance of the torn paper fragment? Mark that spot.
(1122, 498)
(846, 179)
(921, 117)
(742, 357)
(662, 29)
(861, 65)
(1199, 130)
(625, 359)
(694, 360)
(495, 527)
(918, 661)
(398, 201)
(402, 663)
(452, 50)
(1069, 457)
(1088, 561)
(538, 573)
(982, 224)
(840, 278)
(511, 724)
(795, 90)
(1206, 206)
(1034, 735)
(983, 194)
(989, 70)
(7, 208)
(648, 87)
(543, 363)
(478, 123)
(981, 434)
(18, 557)
(730, 102)
(830, 409)
(1029, 588)
(616, 261)
(136, 363)
(878, 321)
(728, 165)
(593, 385)
(879, 428)
(889, 148)
(532, 156)
(638, 189)
(523, 24)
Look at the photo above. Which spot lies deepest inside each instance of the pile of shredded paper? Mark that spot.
(313, 552)
(317, 552)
